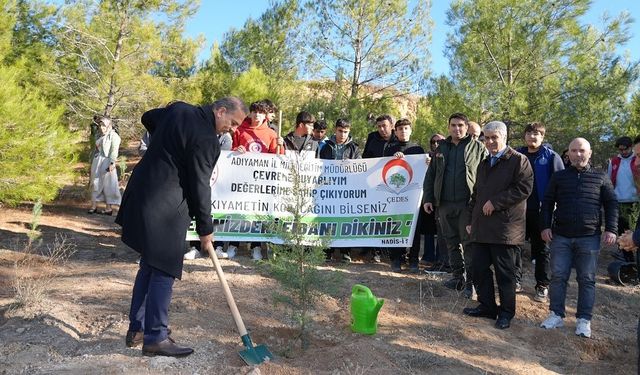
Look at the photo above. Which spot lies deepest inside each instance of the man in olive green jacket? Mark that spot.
(448, 186)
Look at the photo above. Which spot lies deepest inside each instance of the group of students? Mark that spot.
(479, 194)
(450, 189)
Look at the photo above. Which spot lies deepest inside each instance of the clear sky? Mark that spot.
(214, 18)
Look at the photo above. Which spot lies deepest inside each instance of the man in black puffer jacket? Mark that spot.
(578, 193)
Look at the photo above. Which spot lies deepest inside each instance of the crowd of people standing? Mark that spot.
(481, 200)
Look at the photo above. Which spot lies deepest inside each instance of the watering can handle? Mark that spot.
(361, 289)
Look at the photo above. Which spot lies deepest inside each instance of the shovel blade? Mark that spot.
(256, 355)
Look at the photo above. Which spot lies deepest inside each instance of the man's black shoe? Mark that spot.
(168, 348)
(479, 312)
(503, 323)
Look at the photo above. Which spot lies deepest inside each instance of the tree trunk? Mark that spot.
(357, 60)
(111, 95)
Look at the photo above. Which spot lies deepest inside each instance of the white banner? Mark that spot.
(354, 203)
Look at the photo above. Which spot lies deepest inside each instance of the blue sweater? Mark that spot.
(544, 163)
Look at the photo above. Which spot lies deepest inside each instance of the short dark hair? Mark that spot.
(259, 107)
(272, 107)
(343, 123)
(636, 140)
(384, 117)
(231, 103)
(320, 125)
(460, 116)
(402, 122)
(535, 127)
(624, 141)
(305, 118)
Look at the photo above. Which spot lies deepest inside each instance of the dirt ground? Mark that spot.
(80, 323)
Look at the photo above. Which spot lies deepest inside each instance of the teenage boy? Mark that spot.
(544, 162)
(340, 147)
(300, 139)
(399, 148)
(320, 133)
(254, 135)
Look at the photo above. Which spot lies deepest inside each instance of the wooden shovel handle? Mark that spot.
(227, 294)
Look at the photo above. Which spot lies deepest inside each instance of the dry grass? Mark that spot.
(34, 273)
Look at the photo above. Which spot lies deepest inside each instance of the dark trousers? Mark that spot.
(454, 218)
(539, 250)
(414, 250)
(150, 303)
(436, 252)
(502, 259)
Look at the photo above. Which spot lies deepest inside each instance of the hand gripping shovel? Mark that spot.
(252, 355)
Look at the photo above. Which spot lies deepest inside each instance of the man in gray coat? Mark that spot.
(169, 186)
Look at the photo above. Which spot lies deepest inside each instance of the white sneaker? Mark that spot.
(583, 327)
(231, 251)
(221, 254)
(192, 254)
(257, 253)
(552, 321)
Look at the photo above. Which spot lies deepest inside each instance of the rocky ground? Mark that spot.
(79, 318)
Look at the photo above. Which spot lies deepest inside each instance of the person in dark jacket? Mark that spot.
(301, 138)
(629, 242)
(435, 256)
(544, 162)
(399, 148)
(578, 193)
(447, 186)
(374, 148)
(340, 147)
(377, 140)
(319, 134)
(169, 186)
(497, 226)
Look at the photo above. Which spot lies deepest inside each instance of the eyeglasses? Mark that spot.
(435, 141)
(623, 148)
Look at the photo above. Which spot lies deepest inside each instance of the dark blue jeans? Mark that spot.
(582, 253)
(150, 303)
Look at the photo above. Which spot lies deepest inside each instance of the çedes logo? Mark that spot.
(397, 175)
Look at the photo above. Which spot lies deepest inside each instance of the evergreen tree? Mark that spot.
(532, 60)
(36, 150)
(117, 58)
(381, 44)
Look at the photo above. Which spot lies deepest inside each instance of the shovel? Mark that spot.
(253, 354)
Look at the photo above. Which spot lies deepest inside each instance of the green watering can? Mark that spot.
(364, 310)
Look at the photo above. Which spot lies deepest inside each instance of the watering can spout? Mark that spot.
(378, 306)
